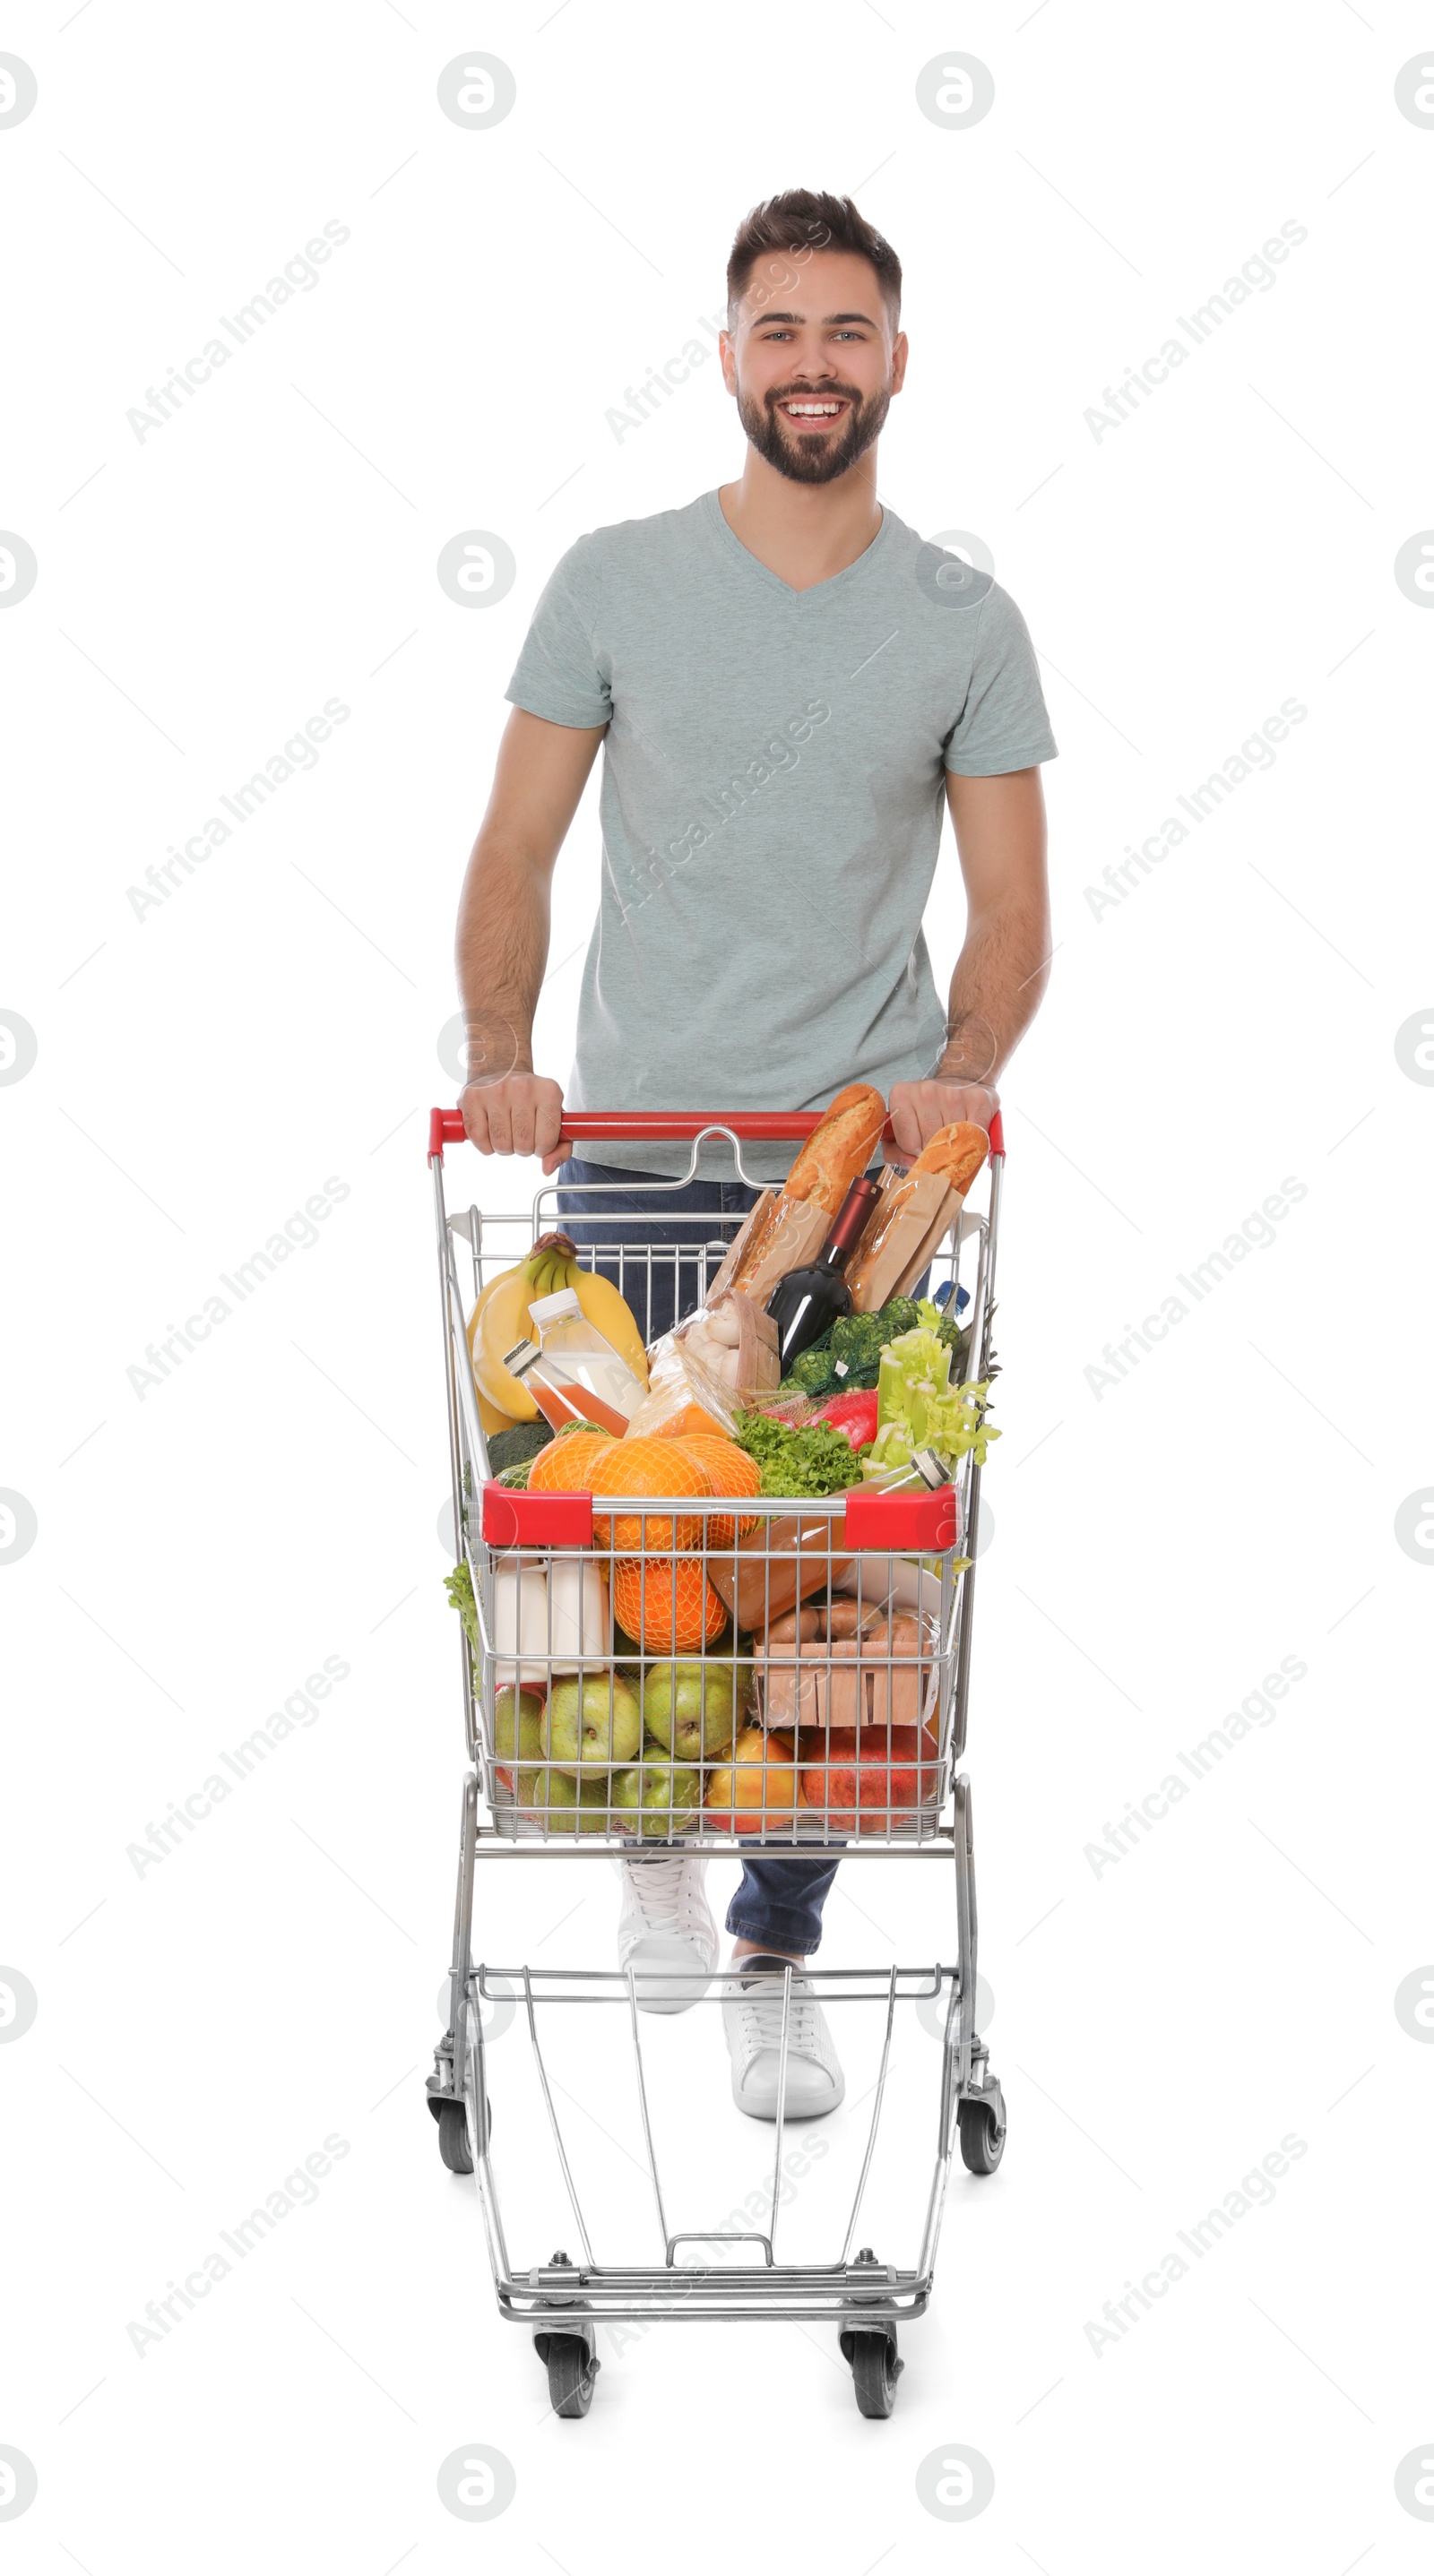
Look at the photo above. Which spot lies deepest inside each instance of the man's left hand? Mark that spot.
(918, 1109)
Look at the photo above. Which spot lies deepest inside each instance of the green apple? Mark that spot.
(518, 1725)
(691, 1709)
(593, 1724)
(563, 1805)
(660, 1797)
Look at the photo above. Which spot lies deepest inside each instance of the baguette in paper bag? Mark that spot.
(914, 1214)
(789, 1227)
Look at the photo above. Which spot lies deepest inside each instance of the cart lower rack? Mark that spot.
(840, 1663)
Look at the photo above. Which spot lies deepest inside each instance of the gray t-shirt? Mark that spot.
(771, 807)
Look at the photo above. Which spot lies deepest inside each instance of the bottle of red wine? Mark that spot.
(807, 1300)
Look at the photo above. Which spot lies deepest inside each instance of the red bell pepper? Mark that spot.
(853, 1415)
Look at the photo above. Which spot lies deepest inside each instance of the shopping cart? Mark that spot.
(885, 1573)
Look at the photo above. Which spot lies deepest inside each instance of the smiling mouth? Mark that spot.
(812, 411)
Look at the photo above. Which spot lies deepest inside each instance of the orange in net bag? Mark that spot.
(567, 1465)
(732, 1472)
(692, 1418)
(639, 1467)
(666, 1603)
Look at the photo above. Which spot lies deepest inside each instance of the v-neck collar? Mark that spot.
(728, 539)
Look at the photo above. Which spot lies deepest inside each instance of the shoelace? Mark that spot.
(760, 2020)
(666, 1896)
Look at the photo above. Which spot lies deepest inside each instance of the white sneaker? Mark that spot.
(666, 1925)
(753, 2024)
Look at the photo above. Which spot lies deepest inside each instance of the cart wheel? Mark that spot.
(453, 2137)
(572, 2368)
(480, 2129)
(983, 2135)
(874, 2367)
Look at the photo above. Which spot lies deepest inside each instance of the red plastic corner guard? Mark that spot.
(445, 1127)
(925, 1522)
(535, 1520)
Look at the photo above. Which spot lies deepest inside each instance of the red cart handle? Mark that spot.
(673, 1127)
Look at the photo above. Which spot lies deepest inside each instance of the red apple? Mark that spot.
(871, 1775)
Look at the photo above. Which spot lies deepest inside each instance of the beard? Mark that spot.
(813, 456)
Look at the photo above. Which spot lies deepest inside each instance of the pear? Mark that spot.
(518, 1725)
(563, 1805)
(593, 1724)
(691, 1709)
(658, 1797)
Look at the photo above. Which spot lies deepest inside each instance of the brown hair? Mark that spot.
(789, 228)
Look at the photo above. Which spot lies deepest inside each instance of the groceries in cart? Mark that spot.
(809, 1300)
(503, 1322)
(840, 1241)
(572, 1371)
(788, 1226)
(738, 1670)
(711, 1365)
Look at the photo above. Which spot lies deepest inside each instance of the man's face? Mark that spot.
(813, 362)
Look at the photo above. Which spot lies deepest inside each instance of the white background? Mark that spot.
(1159, 1546)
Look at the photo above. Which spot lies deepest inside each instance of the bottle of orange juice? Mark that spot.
(572, 1372)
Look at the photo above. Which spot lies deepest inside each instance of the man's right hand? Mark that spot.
(522, 1114)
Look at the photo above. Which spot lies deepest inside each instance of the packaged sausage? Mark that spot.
(832, 1665)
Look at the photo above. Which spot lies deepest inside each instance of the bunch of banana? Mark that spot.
(552, 1264)
(501, 1318)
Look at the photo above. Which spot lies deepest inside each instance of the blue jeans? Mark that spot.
(779, 1902)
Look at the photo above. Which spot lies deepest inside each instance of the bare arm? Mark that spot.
(1004, 963)
(538, 781)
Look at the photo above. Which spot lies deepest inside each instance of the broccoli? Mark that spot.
(857, 1342)
(848, 1354)
(524, 1440)
(812, 1374)
(856, 1348)
(960, 1341)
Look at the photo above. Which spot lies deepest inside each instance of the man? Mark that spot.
(783, 675)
